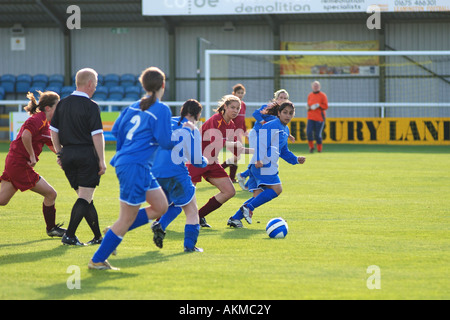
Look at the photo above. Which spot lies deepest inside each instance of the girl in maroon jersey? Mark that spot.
(24, 151)
(218, 132)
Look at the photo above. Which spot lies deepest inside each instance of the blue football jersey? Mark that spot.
(139, 133)
(273, 144)
(171, 162)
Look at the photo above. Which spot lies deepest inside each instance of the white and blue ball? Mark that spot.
(277, 228)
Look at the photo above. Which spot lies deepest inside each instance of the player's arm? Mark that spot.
(289, 157)
(324, 103)
(27, 140)
(54, 134)
(257, 114)
(99, 145)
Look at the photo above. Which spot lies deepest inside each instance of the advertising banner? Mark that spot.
(329, 65)
(246, 7)
(399, 131)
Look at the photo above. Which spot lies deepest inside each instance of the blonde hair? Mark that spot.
(277, 93)
(226, 101)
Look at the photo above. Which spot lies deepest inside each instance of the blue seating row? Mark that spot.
(25, 82)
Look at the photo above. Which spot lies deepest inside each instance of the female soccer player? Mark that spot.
(264, 181)
(241, 129)
(19, 173)
(217, 132)
(262, 117)
(171, 172)
(139, 130)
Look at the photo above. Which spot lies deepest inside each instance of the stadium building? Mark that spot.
(44, 43)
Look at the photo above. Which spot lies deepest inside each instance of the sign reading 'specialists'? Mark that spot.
(232, 7)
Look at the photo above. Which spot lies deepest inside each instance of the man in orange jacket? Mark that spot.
(317, 104)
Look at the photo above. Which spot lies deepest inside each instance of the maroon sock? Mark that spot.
(225, 165)
(49, 216)
(209, 207)
(233, 170)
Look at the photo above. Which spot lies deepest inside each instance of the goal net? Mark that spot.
(357, 83)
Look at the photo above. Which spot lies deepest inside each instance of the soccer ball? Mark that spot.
(277, 228)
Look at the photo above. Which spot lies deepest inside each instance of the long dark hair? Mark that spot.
(275, 108)
(151, 79)
(47, 98)
(192, 107)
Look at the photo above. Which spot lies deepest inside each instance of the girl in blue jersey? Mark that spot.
(172, 174)
(140, 130)
(261, 118)
(264, 181)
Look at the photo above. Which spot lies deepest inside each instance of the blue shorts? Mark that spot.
(257, 181)
(135, 180)
(179, 190)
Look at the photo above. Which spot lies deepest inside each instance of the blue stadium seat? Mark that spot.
(8, 82)
(23, 83)
(67, 91)
(116, 93)
(101, 93)
(56, 80)
(56, 89)
(2, 93)
(111, 80)
(132, 93)
(39, 80)
(127, 80)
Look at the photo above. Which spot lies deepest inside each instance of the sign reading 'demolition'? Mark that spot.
(231, 7)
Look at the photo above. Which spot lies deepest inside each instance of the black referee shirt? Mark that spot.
(76, 119)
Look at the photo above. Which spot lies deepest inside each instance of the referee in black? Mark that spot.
(77, 135)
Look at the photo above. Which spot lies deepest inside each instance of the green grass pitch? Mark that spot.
(348, 208)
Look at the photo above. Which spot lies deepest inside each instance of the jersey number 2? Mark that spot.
(136, 120)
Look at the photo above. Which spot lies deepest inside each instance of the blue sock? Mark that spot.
(263, 197)
(109, 243)
(191, 232)
(169, 216)
(239, 215)
(141, 219)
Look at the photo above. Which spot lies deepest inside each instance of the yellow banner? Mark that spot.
(399, 131)
(329, 65)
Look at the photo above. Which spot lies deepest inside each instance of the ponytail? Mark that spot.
(147, 101)
(47, 98)
(32, 105)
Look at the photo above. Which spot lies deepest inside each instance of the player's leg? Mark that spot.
(310, 127)
(319, 129)
(192, 227)
(158, 206)
(91, 215)
(226, 192)
(114, 236)
(7, 191)
(48, 207)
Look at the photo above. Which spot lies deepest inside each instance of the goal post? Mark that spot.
(383, 83)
